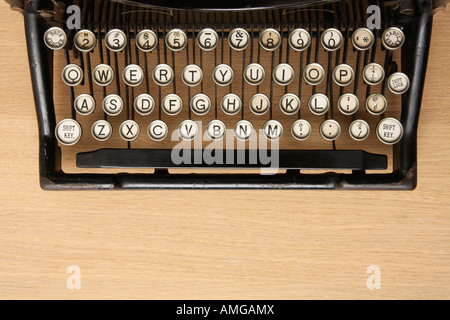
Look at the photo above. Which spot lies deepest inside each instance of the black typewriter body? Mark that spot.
(332, 154)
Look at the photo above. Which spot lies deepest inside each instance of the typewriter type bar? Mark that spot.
(414, 18)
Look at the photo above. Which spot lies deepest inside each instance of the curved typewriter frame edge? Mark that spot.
(403, 177)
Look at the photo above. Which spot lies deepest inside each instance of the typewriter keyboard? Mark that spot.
(228, 79)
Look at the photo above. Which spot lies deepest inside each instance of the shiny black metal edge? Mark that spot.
(405, 152)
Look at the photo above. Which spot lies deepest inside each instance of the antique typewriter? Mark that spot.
(289, 94)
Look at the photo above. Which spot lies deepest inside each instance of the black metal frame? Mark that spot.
(403, 177)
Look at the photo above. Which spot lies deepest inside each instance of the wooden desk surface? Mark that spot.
(220, 244)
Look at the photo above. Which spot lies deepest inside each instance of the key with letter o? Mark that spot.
(314, 74)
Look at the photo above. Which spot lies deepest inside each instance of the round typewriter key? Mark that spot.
(207, 39)
(376, 104)
(101, 130)
(85, 40)
(259, 104)
(273, 130)
(112, 105)
(133, 75)
(68, 132)
(144, 104)
(398, 83)
(55, 38)
(331, 39)
(223, 74)
(129, 130)
(231, 104)
(200, 104)
(188, 130)
(270, 39)
(84, 104)
(116, 40)
(330, 130)
(301, 129)
(373, 74)
(319, 104)
(162, 74)
(216, 129)
(362, 39)
(172, 104)
(389, 130)
(299, 39)
(314, 74)
(343, 75)
(238, 39)
(348, 103)
(103, 75)
(157, 130)
(243, 130)
(146, 40)
(393, 38)
(176, 39)
(283, 74)
(289, 103)
(72, 75)
(359, 130)
(192, 75)
(254, 74)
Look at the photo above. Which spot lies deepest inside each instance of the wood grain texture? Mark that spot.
(220, 244)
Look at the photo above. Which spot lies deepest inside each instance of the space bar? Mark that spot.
(282, 159)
